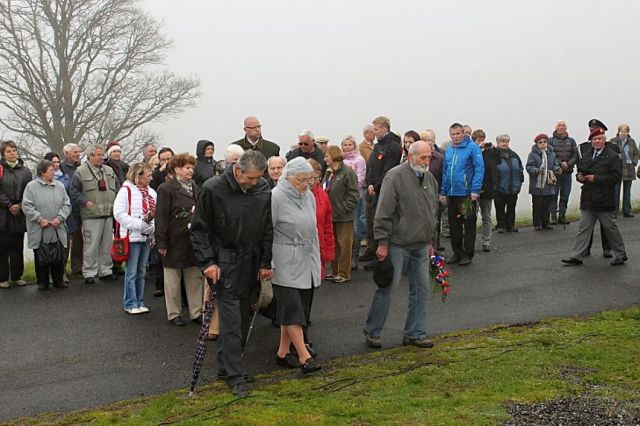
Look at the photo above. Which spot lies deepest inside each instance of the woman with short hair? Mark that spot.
(14, 177)
(296, 261)
(176, 202)
(46, 207)
(134, 209)
(341, 183)
(630, 156)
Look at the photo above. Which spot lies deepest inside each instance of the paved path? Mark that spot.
(76, 348)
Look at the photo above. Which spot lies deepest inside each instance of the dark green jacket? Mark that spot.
(343, 193)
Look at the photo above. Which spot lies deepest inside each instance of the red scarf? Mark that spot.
(148, 203)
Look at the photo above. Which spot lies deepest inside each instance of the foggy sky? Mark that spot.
(331, 66)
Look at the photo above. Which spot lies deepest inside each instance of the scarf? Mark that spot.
(186, 185)
(148, 203)
(542, 175)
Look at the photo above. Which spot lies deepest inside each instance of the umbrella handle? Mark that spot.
(244, 350)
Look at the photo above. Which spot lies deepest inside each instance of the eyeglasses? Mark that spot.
(253, 127)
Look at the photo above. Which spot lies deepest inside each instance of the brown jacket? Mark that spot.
(365, 150)
(173, 217)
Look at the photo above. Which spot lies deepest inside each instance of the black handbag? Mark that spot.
(50, 253)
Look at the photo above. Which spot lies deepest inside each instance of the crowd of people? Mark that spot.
(312, 215)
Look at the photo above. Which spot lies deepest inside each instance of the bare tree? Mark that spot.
(85, 71)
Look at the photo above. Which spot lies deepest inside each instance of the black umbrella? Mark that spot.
(201, 346)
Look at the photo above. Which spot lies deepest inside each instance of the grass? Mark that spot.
(467, 378)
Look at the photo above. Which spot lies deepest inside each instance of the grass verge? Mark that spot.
(469, 377)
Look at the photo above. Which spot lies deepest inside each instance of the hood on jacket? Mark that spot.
(200, 147)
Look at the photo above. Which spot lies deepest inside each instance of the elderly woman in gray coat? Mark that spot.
(46, 206)
(296, 261)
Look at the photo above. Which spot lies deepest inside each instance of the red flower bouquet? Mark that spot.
(440, 274)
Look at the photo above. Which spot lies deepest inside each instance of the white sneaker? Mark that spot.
(143, 310)
(20, 283)
(5, 284)
(132, 311)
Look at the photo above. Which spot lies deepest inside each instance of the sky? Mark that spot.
(331, 66)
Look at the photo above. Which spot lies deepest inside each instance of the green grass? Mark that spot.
(467, 378)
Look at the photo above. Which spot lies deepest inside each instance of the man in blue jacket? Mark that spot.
(462, 176)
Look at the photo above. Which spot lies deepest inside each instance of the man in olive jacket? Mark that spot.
(253, 139)
(93, 189)
(231, 234)
(405, 225)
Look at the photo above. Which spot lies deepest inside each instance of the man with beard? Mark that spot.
(599, 170)
(232, 233)
(404, 228)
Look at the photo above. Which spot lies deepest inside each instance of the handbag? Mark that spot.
(50, 253)
(120, 245)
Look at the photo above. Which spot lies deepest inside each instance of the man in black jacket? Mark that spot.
(599, 170)
(385, 156)
(231, 234)
(253, 139)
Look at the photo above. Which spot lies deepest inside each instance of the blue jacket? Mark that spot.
(463, 169)
(510, 173)
(534, 162)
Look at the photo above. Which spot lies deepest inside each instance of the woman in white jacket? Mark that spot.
(134, 209)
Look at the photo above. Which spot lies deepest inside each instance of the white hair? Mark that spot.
(69, 147)
(233, 150)
(367, 128)
(276, 157)
(306, 132)
(296, 166)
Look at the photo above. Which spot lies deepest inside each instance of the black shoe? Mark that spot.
(89, 280)
(464, 261)
(628, 215)
(61, 285)
(619, 261)
(179, 321)
(423, 343)
(221, 375)
(109, 277)
(452, 260)
(367, 257)
(512, 230)
(197, 319)
(311, 366)
(158, 293)
(563, 220)
(372, 342)
(486, 248)
(370, 267)
(43, 287)
(607, 254)
(118, 272)
(288, 361)
(548, 227)
(571, 261)
(240, 390)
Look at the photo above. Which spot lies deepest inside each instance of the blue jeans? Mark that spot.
(134, 275)
(563, 190)
(417, 264)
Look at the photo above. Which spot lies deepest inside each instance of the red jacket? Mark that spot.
(324, 223)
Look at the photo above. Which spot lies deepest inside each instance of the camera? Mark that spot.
(102, 185)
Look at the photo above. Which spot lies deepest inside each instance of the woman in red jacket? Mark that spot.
(324, 220)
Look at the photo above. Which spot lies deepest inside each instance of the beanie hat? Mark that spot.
(113, 147)
(596, 132)
(540, 137)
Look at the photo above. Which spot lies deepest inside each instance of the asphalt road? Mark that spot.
(76, 348)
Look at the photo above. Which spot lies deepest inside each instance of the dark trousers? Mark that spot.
(75, 249)
(505, 210)
(541, 209)
(43, 271)
(11, 256)
(462, 229)
(372, 202)
(235, 317)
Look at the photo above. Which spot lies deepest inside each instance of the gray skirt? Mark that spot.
(293, 305)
